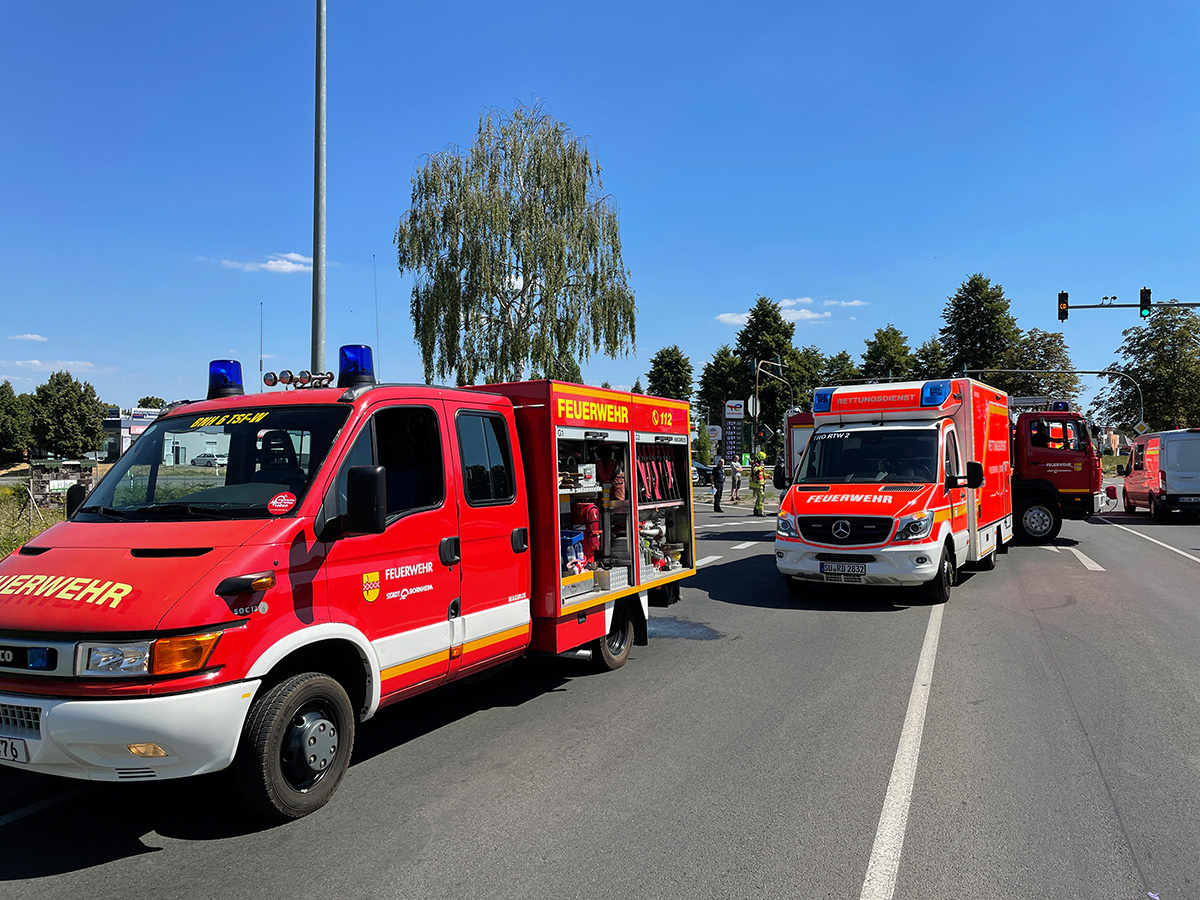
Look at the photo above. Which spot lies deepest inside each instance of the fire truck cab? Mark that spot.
(900, 484)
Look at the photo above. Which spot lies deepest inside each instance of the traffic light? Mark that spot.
(1144, 303)
(762, 434)
(1064, 306)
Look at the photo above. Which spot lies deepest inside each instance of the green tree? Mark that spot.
(670, 374)
(1163, 356)
(839, 368)
(152, 402)
(605, 384)
(722, 378)
(16, 424)
(637, 386)
(979, 328)
(68, 417)
(768, 336)
(887, 355)
(1037, 349)
(703, 445)
(806, 368)
(516, 253)
(929, 361)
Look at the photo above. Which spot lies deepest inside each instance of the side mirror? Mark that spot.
(1121, 473)
(75, 495)
(953, 482)
(1111, 492)
(366, 501)
(974, 474)
(779, 477)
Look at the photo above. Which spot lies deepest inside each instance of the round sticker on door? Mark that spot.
(281, 503)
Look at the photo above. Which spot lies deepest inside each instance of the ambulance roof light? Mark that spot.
(935, 393)
(355, 365)
(822, 400)
(224, 378)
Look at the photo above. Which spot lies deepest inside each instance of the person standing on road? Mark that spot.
(758, 482)
(718, 480)
(735, 472)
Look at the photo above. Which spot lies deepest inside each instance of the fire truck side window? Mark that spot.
(408, 446)
(486, 458)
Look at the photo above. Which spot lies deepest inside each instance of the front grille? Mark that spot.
(813, 488)
(846, 557)
(863, 529)
(901, 488)
(128, 774)
(20, 718)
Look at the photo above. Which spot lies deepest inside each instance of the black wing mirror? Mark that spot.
(974, 474)
(75, 495)
(366, 501)
(1121, 473)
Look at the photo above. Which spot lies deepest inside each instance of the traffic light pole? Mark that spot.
(1108, 372)
(758, 369)
(1144, 304)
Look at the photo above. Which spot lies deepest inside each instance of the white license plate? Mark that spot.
(13, 750)
(1189, 499)
(843, 568)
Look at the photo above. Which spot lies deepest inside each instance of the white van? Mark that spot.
(1164, 472)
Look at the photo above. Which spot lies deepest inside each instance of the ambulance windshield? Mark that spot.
(870, 456)
(236, 464)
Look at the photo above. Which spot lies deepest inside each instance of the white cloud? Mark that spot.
(798, 301)
(788, 311)
(733, 318)
(276, 262)
(53, 365)
(804, 315)
(846, 303)
(27, 337)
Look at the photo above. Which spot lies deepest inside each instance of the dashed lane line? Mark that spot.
(706, 560)
(1088, 563)
(1150, 539)
(745, 546)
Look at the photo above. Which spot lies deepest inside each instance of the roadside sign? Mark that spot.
(752, 406)
(714, 433)
(734, 409)
(1141, 427)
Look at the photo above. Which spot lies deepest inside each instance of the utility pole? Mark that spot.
(318, 319)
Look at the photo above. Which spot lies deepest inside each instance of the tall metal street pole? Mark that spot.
(318, 318)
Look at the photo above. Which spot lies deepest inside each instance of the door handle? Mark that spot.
(520, 540)
(449, 550)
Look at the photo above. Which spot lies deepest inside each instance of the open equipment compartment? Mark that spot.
(666, 537)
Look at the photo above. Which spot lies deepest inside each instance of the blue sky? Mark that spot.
(857, 160)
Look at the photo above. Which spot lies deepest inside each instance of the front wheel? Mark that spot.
(612, 650)
(1039, 521)
(295, 746)
(938, 590)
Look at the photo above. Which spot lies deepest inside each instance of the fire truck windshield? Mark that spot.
(870, 455)
(236, 464)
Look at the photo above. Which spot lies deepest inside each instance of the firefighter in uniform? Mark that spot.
(758, 482)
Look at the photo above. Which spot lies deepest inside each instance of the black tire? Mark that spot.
(1129, 507)
(1156, 509)
(938, 590)
(794, 585)
(612, 650)
(1001, 547)
(311, 713)
(1039, 521)
(989, 562)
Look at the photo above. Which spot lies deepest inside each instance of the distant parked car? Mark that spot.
(211, 459)
(701, 474)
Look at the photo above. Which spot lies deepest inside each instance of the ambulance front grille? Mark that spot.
(862, 529)
(15, 718)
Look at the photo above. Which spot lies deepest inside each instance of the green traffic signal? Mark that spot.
(1144, 303)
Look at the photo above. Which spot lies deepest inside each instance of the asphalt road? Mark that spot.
(749, 751)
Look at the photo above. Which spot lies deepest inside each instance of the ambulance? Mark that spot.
(360, 544)
(899, 484)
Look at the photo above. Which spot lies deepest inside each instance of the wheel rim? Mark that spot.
(310, 746)
(1037, 521)
(618, 636)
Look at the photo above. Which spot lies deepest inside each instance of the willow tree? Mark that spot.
(516, 253)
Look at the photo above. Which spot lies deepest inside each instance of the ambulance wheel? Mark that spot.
(295, 746)
(938, 590)
(1129, 507)
(1039, 521)
(989, 562)
(612, 650)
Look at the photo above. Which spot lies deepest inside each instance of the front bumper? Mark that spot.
(905, 564)
(89, 739)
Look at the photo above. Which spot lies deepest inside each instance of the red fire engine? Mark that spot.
(363, 543)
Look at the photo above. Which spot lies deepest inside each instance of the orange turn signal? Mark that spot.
(187, 653)
(263, 582)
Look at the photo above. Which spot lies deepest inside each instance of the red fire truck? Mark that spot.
(361, 544)
(902, 484)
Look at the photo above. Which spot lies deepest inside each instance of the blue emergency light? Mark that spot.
(224, 378)
(1060, 406)
(934, 393)
(822, 400)
(355, 365)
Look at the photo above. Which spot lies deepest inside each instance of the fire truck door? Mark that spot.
(393, 586)
(494, 539)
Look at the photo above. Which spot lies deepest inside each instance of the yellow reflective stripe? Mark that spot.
(1074, 490)
(415, 664)
(495, 638)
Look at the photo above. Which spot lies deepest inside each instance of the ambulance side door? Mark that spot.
(392, 586)
(494, 538)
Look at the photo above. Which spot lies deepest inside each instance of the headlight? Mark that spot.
(916, 526)
(786, 526)
(165, 656)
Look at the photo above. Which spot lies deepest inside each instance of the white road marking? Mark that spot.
(1088, 562)
(1150, 539)
(1051, 549)
(880, 882)
(745, 545)
(705, 560)
(18, 814)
